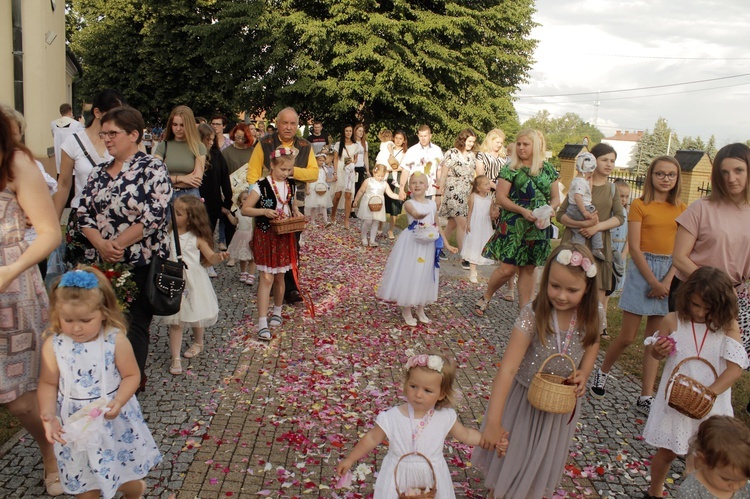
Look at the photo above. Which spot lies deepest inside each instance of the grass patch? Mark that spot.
(631, 361)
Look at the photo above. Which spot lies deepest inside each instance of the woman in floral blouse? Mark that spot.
(123, 214)
(456, 174)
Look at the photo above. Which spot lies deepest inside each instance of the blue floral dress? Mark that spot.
(127, 450)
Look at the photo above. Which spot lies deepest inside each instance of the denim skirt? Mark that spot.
(634, 298)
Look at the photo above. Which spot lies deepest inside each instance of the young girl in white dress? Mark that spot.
(373, 187)
(240, 248)
(421, 425)
(318, 195)
(703, 325)
(199, 307)
(88, 380)
(411, 277)
(565, 318)
(479, 229)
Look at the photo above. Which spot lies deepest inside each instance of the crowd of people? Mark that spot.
(204, 198)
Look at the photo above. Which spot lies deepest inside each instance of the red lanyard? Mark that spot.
(695, 339)
(278, 196)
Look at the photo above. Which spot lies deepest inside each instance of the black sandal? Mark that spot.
(264, 334)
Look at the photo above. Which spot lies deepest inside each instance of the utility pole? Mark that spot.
(596, 108)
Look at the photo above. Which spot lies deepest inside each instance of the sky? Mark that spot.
(606, 45)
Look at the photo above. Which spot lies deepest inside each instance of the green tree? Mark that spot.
(662, 140)
(692, 144)
(711, 147)
(567, 129)
(394, 63)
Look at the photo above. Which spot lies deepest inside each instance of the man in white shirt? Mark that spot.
(62, 128)
(424, 157)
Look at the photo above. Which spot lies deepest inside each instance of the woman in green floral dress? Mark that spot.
(527, 183)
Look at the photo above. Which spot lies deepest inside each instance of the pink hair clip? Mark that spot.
(576, 259)
(434, 362)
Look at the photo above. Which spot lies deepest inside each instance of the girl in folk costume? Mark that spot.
(370, 194)
(270, 199)
(479, 229)
(411, 276)
(199, 307)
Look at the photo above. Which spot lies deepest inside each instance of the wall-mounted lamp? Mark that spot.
(50, 37)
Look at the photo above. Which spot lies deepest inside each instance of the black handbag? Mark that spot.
(166, 279)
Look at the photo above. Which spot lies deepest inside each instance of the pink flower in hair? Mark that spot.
(575, 259)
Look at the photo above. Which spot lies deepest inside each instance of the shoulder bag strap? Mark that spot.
(176, 236)
(85, 151)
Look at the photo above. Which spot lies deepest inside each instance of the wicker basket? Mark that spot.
(321, 188)
(288, 225)
(422, 495)
(548, 393)
(375, 203)
(687, 396)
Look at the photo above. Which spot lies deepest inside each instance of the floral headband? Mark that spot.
(575, 259)
(282, 151)
(434, 362)
(79, 279)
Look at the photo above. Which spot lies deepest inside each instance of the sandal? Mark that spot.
(194, 350)
(275, 320)
(250, 279)
(176, 367)
(509, 297)
(480, 306)
(53, 485)
(264, 334)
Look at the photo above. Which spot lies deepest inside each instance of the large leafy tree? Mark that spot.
(569, 128)
(394, 63)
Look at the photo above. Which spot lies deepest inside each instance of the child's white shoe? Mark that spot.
(473, 277)
(364, 241)
(408, 318)
(422, 316)
(243, 277)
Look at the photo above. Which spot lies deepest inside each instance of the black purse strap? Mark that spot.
(176, 236)
(85, 151)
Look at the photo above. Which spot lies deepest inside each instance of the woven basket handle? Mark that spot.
(563, 355)
(677, 367)
(415, 453)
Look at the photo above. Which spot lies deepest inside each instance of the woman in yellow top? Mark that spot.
(652, 229)
(183, 152)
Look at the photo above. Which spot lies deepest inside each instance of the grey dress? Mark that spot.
(539, 441)
(691, 488)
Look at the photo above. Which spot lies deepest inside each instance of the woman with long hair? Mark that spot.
(362, 165)
(345, 154)
(492, 156)
(183, 152)
(527, 183)
(393, 207)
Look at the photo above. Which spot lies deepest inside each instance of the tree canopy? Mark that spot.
(567, 129)
(392, 63)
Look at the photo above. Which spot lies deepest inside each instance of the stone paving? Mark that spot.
(251, 420)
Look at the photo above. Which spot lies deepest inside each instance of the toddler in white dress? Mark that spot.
(370, 195)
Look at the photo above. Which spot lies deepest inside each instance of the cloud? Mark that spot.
(591, 45)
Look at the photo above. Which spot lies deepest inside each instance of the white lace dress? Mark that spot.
(667, 428)
(414, 470)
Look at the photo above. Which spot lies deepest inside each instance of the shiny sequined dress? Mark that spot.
(410, 277)
(24, 309)
(539, 441)
(413, 470)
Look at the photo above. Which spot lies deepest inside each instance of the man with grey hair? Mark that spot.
(305, 169)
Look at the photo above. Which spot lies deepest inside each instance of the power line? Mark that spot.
(660, 95)
(635, 89)
(671, 58)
